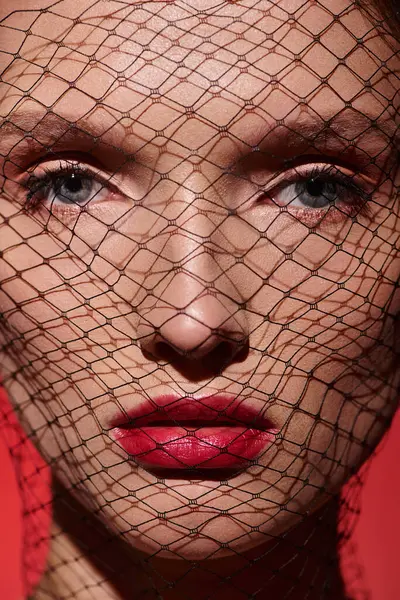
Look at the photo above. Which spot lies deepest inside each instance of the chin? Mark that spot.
(195, 532)
(168, 544)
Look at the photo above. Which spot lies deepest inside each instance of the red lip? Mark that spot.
(216, 432)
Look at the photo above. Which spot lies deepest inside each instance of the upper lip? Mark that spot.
(206, 411)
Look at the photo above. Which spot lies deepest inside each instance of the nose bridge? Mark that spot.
(189, 250)
(191, 228)
(191, 311)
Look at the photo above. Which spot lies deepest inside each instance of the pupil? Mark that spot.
(74, 184)
(315, 187)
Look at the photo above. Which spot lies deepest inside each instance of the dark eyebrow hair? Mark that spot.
(330, 132)
(347, 126)
(55, 126)
(308, 125)
(53, 133)
(350, 138)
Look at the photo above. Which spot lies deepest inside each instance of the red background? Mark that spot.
(375, 535)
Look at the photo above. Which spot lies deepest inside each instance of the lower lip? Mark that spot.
(173, 447)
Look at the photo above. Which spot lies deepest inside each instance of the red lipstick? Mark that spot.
(216, 432)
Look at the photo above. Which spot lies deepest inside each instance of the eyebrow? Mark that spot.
(330, 132)
(49, 134)
(48, 128)
(335, 130)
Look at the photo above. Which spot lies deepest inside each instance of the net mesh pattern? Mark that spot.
(199, 230)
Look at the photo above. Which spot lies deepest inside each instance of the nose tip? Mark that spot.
(191, 322)
(204, 336)
(188, 337)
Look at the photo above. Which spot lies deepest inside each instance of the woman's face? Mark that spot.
(199, 220)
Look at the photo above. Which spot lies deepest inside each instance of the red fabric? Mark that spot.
(26, 480)
(26, 517)
(377, 533)
(11, 529)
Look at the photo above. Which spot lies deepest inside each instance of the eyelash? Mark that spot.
(354, 199)
(36, 184)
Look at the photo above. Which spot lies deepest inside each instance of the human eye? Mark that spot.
(318, 192)
(65, 184)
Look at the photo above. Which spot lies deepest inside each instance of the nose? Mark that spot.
(207, 332)
(196, 319)
(204, 329)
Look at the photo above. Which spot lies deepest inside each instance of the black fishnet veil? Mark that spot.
(174, 263)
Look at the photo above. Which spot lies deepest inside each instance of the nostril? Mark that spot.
(209, 358)
(169, 352)
(242, 351)
(221, 352)
(164, 351)
(224, 353)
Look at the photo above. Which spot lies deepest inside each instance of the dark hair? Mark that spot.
(390, 11)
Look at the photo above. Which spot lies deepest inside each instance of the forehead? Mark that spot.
(215, 40)
(150, 62)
